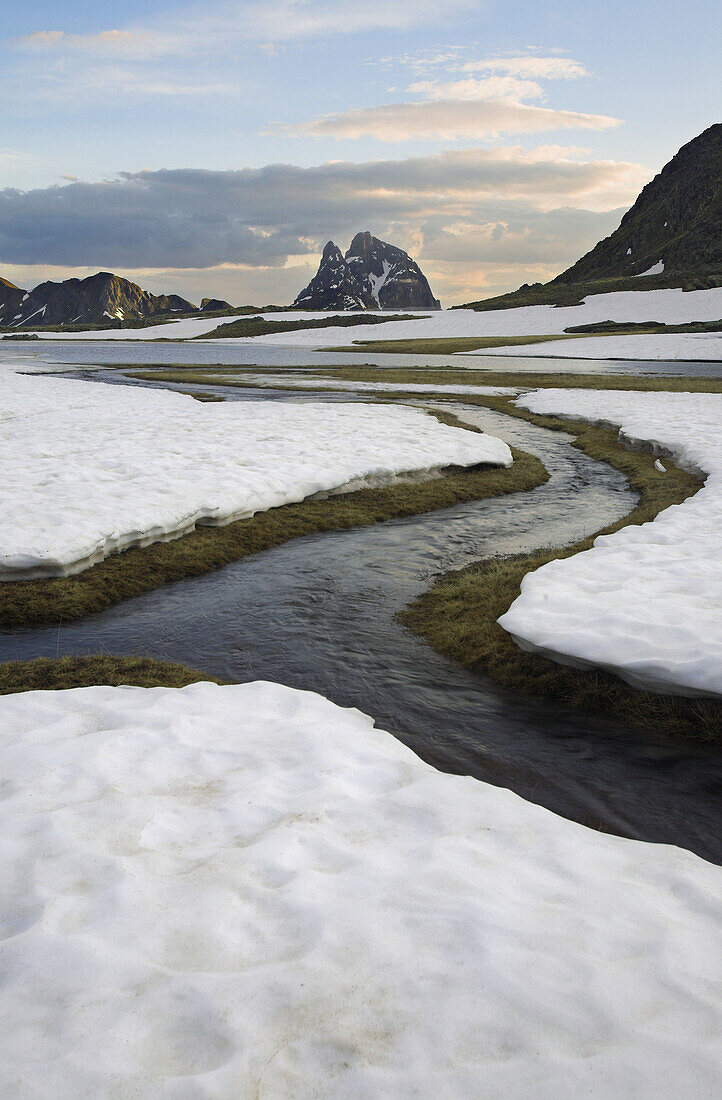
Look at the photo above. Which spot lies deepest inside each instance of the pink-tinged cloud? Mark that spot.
(449, 119)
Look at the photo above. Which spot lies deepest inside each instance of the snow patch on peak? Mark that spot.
(656, 269)
(377, 281)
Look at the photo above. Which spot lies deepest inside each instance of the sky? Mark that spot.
(211, 149)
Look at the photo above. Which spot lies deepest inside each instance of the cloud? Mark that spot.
(296, 19)
(182, 51)
(449, 119)
(193, 27)
(534, 68)
(192, 219)
(134, 44)
(496, 87)
(470, 107)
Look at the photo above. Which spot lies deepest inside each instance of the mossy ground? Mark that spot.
(122, 576)
(46, 674)
(446, 345)
(259, 326)
(458, 616)
(237, 378)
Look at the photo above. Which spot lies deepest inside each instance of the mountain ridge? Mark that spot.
(676, 220)
(373, 274)
(671, 237)
(93, 300)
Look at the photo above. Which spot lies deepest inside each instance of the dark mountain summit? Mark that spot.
(676, 221)
(372, 275)
(99, 299)
(672, 236)
(10, 298)
(334, 286)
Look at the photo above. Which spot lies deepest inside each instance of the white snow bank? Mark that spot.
(701, 346)
(671, 306)
(90, 468)
(185, 329)
(248, 891)
(646, 602)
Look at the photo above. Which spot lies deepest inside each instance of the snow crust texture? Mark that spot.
(247, 891)
(646, 602)
(89, 469)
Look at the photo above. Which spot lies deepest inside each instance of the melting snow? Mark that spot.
(646, 602)
(671, 306)
(89, 469)
(248, 891)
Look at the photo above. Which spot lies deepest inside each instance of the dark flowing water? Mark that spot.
(318, 613)
(144, 352)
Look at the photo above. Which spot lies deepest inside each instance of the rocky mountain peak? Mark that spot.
(372, 275)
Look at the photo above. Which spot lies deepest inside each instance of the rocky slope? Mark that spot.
(99, 299)
(334, 286)
(675, 224)
(671, 236)
(372, 275)
(11, 297)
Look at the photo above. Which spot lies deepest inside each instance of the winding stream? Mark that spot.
(318, 613)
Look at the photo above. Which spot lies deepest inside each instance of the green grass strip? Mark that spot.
(447, 345)
(138, 570)
(46, 674)
(457, 616)
(233, 378)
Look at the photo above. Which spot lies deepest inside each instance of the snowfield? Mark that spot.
(187, 328)
(89, 469)
(248, 891)
(669, 306)
(646, 602)
(700, 346)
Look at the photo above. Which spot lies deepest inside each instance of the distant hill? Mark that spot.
(671, 237)
(99, 299)
(10, 298)
(215, 305)
(372, 275)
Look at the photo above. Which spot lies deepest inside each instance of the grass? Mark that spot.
(57, 674)
(570, 294)
(458, 615)
(259, 326)
(224, 376)
(445, 345)
(621, 328)
(122, 576)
